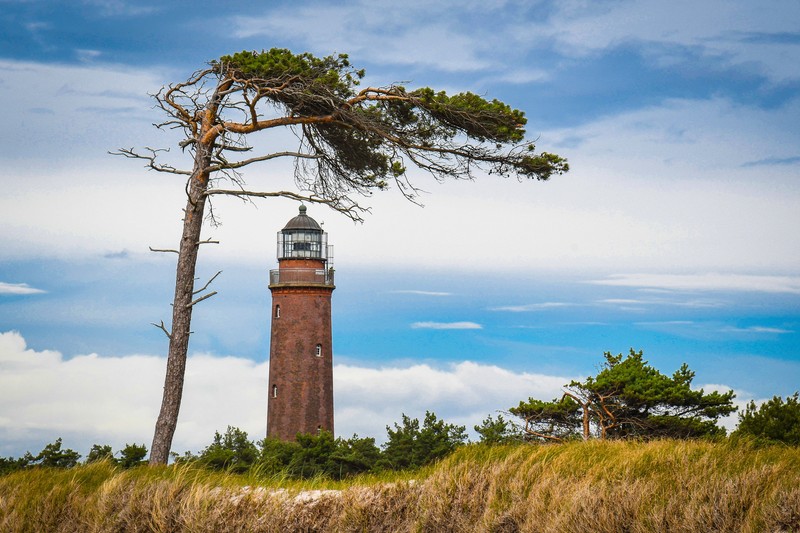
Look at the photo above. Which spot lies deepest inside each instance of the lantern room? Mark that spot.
(303, 238)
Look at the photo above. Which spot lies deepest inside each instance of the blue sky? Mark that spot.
(675, 232)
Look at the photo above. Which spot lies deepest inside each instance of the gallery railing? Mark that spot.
(301, 276)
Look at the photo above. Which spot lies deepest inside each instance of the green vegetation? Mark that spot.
(412, 446)
(776, 420)
(425, 478)
(53, 456)
(659, 485)
(132, 455)
(498, 431)
(409, 446)
(628, 399)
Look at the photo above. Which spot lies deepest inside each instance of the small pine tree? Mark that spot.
(10, 464)
(500, 431)
(775, 420)
(100, 453)
(53, 456)
(232, 451)
(132, 455)
(413, 446)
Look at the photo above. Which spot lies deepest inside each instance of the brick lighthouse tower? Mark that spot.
(301, 356)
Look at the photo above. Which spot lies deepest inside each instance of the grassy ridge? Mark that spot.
(594, 486)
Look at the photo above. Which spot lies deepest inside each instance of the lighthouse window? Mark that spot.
(302, 245)
(277, 311)
(274, 391)
(318, 352)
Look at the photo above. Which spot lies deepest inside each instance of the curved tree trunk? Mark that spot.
(181, 310)
(185, 275)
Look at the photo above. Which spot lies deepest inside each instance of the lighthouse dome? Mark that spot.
(302, 222)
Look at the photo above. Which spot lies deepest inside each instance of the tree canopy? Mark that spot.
(628, 398)
(232, 451)
(52, 455)
(493, 431)
(775, 420)
(346, 141)
(349, 139)
(411, 445)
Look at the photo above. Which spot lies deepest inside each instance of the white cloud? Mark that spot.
(120, 8)
(94, 109)
(484, 36)
(742, 34)
(392, 33)
(18, 288)
(652, 187)
(713, 329)
(668, 323)
(623, 301)
(368, 399)
(638, 303)
(86, 55)
(79, 394)
(422, 293)
(664, 185)
(740, 401)
(446, 325)
(705, 282)
(531, 307)
(756, 329)
(91, 399)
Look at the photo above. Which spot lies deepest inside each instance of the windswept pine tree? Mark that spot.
(628, 398)
(349, 141)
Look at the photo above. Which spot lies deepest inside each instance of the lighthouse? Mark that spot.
(301, 355)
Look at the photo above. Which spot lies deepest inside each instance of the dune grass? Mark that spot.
(595, 486)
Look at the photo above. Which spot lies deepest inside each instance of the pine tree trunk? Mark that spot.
(181, 311)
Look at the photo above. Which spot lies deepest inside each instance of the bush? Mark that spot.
(53, 456)
(132, 455)
(232, 451)
(412, 446)
(500, 431)
(100, 453)
(775, 420)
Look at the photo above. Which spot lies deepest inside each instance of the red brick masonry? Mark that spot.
(301, 354)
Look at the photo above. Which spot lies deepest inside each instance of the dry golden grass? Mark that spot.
(595, 486)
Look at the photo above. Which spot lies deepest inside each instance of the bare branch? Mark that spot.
(163, 328)
(353, 211)
(209, 295)
(168, 98)
(232, 148)
(585, 412)
(163, 250)
(542, 435)
(208, 241)
(198, 291)
(251, 127)
(239, 164)
(151, 160)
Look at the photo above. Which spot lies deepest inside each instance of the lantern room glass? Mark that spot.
(302, 244)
